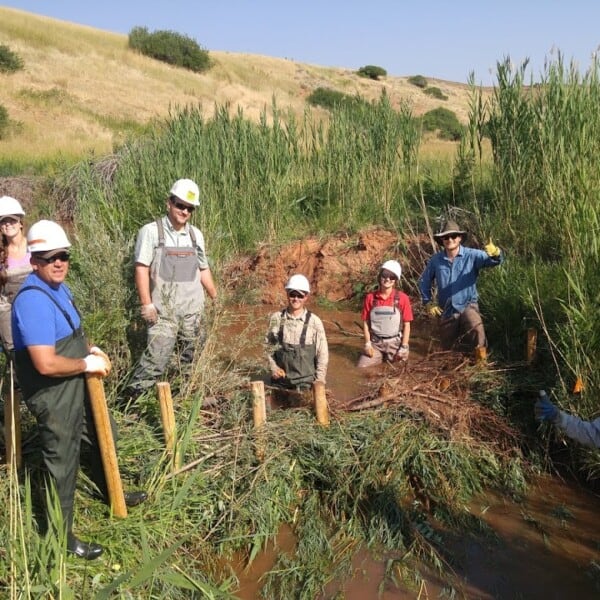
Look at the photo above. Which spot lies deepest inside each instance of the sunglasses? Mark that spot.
(387, 276)
(182, 206)
(450, 236)
(296, 294)
(63, 257)
(9, 221)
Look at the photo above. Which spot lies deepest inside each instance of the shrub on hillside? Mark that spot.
(372, 72)
(170, 47)
(445, 122)
(435, 92)
(418, 80)
(330, 99)
(9, 61)
(4, 121)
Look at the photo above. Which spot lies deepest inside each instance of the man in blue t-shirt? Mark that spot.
(51, 357)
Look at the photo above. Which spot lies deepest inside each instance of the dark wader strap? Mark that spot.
(62, 310)
(161, 233)
(304, 328)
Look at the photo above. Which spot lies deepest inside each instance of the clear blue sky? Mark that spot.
(435, 38)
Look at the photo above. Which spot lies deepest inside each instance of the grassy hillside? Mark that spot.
(82, 90)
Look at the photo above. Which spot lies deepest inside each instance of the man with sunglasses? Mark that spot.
(298, 353)
(172, 275)
(455, 270)
(52, 355)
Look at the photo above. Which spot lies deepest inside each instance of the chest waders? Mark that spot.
(63, 414)
(297, 360)
(386, 321)
(174, 278)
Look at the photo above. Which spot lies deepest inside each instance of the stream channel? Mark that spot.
(546, 546)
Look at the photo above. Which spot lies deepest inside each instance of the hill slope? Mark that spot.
(83, 90)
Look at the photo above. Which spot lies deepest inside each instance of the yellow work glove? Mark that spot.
(278, 373)
(433, 310)
(368, 350)
(492, 250)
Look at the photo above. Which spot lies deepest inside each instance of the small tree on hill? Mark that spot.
(372, 72)
(9, 61)
(418, 80)
(445, 122)
(170, 47)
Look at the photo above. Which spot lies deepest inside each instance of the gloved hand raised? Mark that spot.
(491, 249)
(368, 350)
(544, 409)
(149, 313)
(278, 373)
(433, 310)
(97, 365)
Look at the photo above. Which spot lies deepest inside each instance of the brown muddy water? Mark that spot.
(546, 546)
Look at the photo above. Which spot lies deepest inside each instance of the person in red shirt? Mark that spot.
(386, 316)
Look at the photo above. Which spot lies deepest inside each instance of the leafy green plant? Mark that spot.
(9, 61)
(445, 122)
(170, 47)
(418, 80)
(435, 92)
(372, 72)
(4, 121)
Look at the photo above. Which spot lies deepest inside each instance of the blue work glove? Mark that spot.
(545, 410)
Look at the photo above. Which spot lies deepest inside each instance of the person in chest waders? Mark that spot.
(386, 317)
(51, 358)
(297, 352)
(14, 264)
(171, 275)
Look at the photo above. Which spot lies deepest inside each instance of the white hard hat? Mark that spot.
(186, 190)
(10, 206)
(299, 283)
(46, 235)
(393, 266)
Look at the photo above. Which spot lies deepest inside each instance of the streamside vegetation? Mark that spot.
(381, 480)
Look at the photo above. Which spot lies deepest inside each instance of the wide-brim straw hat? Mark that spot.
(447, 228)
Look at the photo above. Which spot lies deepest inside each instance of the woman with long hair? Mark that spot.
(14, 262)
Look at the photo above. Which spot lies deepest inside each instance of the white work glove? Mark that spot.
(402, 353)
(368, 350)
(97, 352)
(149, 313)
(97, 365)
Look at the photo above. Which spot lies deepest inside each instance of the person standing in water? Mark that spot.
(386, 316)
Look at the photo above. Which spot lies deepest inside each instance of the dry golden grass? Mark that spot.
(82, 89)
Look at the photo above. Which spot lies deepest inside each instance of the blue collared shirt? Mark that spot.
(456, 280)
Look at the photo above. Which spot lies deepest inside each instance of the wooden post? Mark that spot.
(107, 445)
(12, 424)
(259, 415)
(167, 416)
(320, 399)
(531, 345)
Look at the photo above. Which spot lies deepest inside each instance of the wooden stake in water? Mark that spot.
(167, 416)
(12, 424)
(321, 407)
(531, 345)
(259, 415)
(107, 445)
